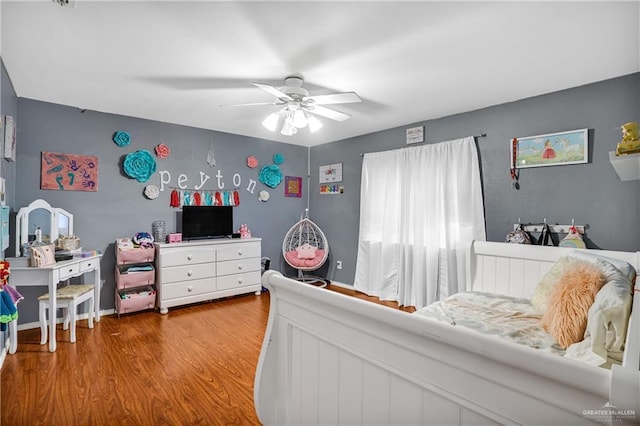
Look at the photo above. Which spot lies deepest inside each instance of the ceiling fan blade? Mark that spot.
(252, 104)
(335, 98)
(327, 112)
(272, 90)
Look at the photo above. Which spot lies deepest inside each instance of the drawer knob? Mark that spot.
(189, 257)
(89, 265)
(239, 252)
(239, 280)
(189, 289)
(239, 266)
(70, 269)
(189, 273)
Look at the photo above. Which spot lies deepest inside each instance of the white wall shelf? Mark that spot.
(627, 166)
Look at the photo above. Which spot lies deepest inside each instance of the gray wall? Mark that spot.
(8, 106)
(119, 208)
(592, 193)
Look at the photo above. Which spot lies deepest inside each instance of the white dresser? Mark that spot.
(196, 271)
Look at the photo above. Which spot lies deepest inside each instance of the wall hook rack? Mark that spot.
(555, 228)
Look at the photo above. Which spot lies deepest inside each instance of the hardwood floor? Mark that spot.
(195, 365)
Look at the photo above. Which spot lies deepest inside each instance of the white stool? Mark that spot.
(68, 298)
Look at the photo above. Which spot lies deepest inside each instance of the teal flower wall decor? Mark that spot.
(278, 158)
(122, 138)
(139, 165)
(270, 176)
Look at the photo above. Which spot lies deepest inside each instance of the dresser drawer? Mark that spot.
(188, 272)
(186, 256)
(239, 251)
(239, 266)
(238, 280)
(189, 288)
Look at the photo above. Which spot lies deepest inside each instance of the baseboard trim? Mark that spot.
(32, 325)
(343, 285)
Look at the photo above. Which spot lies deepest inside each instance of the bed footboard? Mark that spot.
(332, 359)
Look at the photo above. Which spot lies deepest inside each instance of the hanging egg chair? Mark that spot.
(305, 248)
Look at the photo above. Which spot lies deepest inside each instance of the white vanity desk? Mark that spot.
(24, 275)
(52, 222)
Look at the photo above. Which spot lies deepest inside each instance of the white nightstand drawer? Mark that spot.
(188, 272)
(186, 289)
(187, 255)
(238, 280)
(238, 266)
(239, 251)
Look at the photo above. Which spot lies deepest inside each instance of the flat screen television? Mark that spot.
(200, 222)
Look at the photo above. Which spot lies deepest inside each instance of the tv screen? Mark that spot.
(206, 222)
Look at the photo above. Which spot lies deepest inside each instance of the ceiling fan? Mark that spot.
(296, 103)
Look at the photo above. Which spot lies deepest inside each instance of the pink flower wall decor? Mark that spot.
(162, 150)
(252, 162)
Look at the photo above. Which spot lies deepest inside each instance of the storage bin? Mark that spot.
(126, 279)
(137, 300)
(135, 255)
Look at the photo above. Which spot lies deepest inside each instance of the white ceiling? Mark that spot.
(178, 61)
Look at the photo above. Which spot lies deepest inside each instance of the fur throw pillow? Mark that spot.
(569, 301)
(540, 296)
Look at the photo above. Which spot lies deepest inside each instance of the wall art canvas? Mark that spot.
(9, 138)
(292, 186)
(331, 173)
(552, 149)
(69, 172)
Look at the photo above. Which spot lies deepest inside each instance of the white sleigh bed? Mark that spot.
(331, 359)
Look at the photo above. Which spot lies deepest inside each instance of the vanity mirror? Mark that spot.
(50, 222)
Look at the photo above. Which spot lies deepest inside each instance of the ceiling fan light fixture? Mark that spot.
(299, 119)
(314, 124)
(288, 127)
(271, 122)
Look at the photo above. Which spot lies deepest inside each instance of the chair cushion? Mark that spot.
(69, 292)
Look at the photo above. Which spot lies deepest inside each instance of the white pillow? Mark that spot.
(609, 315)
(592, 257)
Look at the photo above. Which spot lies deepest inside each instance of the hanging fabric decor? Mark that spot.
(139, 165)
(573, 239)
(211, 159)
(175, 199)
(122, 138)
(270, 176)
(189, 197)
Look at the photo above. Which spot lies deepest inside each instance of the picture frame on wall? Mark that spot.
(551, 149)
(9, 138)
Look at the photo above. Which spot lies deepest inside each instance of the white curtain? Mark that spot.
(420, 207)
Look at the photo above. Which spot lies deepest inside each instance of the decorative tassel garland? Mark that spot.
(188, 197)
(175, 199)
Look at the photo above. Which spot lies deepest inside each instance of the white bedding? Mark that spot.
(505, 317)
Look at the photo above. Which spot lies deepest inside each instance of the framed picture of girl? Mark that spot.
(551, 149)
